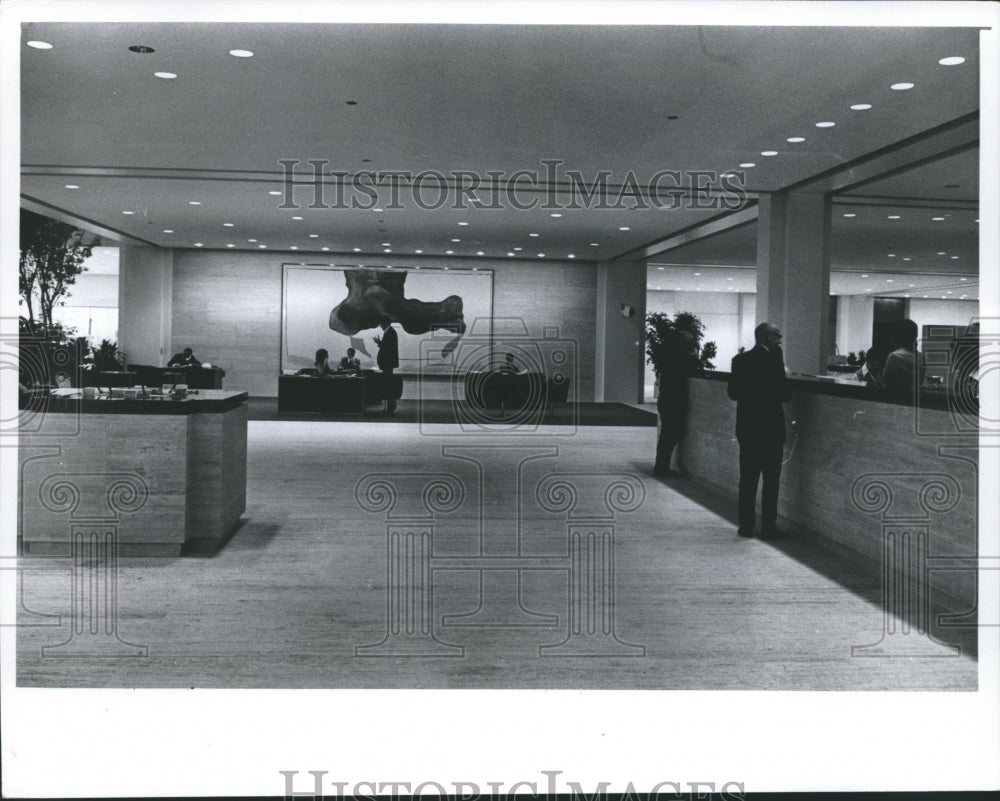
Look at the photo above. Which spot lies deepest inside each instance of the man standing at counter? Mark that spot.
(757, 384)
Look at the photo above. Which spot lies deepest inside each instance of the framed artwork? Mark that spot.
(340, 307)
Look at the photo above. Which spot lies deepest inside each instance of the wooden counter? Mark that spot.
(162, 473)
(858, 468)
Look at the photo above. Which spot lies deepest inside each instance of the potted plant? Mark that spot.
(660, 331)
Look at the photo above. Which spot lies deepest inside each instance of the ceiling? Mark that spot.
(463, 105)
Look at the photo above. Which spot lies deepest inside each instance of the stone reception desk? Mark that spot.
(163, 475)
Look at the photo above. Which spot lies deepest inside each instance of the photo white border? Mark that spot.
(207, 742)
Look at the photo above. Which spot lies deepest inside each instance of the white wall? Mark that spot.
(942, 312)
(92, 305)
(854, 323)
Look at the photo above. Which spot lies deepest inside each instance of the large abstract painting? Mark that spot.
(337, 307)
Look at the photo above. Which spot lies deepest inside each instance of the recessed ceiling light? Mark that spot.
(325, 248)
(592, 244)
(387, 250)
(769, 152)
(937, 219)
(194, 202)
(227, 225)
(570, 255)
(294, 247)
(907, 258)
(350, 102)
(891, 255)
(262, 247)
(463, 223)
(942, 253)
(901, 87)
(796, 139)
(449, 253)
(888, 280)
(141, 49)
(826, 124)
(456, 240)
(912, 284)
(418, 251)
(251, 240)
(479, 253)
(851, 214)
(925, 296)
(387, 244)
(377, 210)
(748, 164)
(509, 253)
(729, 279)
(241, 53)
(198, 245)
(624, 228)
(167, 76)
(518, 248)
(356, 250)
(274, 192)
(661, 268)
(893, 216)
(963, 279)
(168, 230)
(865, 275)
(72, 186)
(126, 211)
(314, 236)
(39, 45)
(953, 257)
(861, 107)
(951, 61)
(532, 234)
(555, 215)
(296, 218)
(541, 255)
(697, 273)
(230, 245)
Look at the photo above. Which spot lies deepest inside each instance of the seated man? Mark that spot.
(350, 363)
(508, 365)
(184, 359)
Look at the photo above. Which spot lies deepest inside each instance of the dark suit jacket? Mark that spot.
(388, 350)
(757, 384)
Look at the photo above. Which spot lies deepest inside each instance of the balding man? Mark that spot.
(757, 384)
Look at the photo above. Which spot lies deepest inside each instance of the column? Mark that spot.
(793, 274)
(145, 304)
(620, 342)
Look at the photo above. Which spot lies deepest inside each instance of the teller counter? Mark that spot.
(894, 483)
(157, 475)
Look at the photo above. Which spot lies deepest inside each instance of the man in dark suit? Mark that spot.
(757, 384)
(388, 356)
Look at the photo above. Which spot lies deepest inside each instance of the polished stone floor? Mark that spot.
(375, 556)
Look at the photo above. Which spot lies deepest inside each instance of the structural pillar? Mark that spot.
(793, 274)
(145, 303)
(620, 342)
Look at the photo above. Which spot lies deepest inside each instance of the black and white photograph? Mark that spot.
(486, 399)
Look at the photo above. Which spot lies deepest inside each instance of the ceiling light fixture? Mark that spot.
(72, 186)
(456, 240)
(532, 234)
(893, 216)
(479, 253)
(324, 248)
(509, 253)
(126, 211)
(167, 76)
(296, 218)
(314, 236)
(541, 255)
(463, 223)
(356, 250)
(594, 245)
(141, 49)
(418, 251)
(796, 139)
(274, 192)
(168, 230)
(294, 247)
(241, 53)
(556, 214)
(194, 202)
(850, 214)
(826, 124)
(262, 247)
(39, 45)
(769, 152)
(901, 87)
(251, 240)
(861, 107)
(198, 245)
(748, 164)
(230, 245)
(570, 255)
(449, 253)
(951, 61)
(937, 219)
(624, 228)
